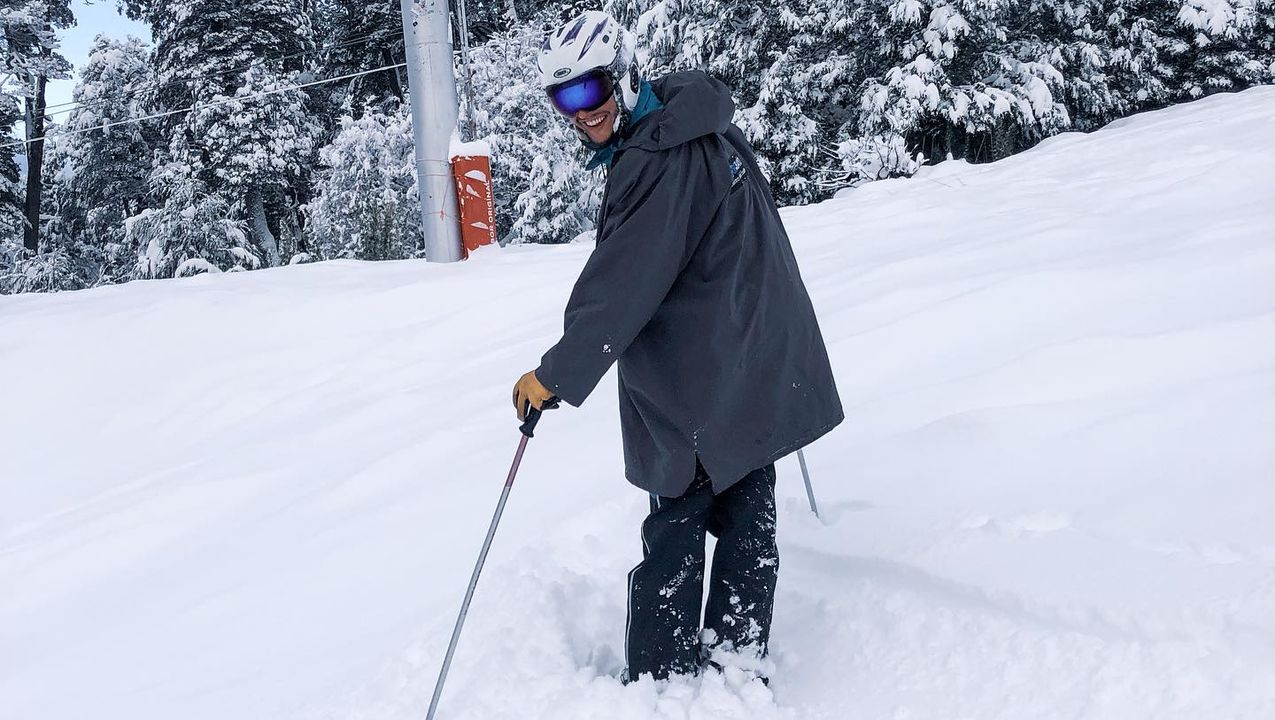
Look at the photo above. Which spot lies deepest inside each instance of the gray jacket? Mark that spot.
(694, 291)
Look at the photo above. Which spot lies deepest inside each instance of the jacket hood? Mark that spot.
(695, 105)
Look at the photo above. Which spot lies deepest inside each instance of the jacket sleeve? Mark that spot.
(657, 211)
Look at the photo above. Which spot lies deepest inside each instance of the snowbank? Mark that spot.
(259, 495)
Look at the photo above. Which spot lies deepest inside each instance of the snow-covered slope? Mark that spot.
(260, 495)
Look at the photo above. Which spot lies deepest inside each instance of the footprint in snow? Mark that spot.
(1209, 553)
(1028, 526)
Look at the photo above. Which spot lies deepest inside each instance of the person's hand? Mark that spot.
(529, 390)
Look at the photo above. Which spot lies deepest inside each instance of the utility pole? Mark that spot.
(432, 87)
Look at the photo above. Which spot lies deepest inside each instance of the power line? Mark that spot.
(169, 113)
(333, 46)
(217, 103)
(256, 63)
(350, 41)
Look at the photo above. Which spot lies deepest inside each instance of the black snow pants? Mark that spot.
(666, 589)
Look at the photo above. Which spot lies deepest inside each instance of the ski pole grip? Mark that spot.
(533, 416)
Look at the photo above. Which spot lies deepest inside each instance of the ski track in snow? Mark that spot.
(261, 495)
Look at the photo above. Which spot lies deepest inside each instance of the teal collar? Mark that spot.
(647, 103)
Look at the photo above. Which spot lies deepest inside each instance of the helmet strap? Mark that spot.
(622, 117)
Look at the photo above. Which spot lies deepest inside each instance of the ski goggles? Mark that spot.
(587, 92)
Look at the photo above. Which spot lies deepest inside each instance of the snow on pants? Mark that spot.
(666, 589)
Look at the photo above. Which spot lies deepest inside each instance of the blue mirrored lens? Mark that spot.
(586, 92)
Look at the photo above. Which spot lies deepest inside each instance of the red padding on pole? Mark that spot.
(476, 200)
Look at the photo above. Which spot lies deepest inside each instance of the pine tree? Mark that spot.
(53, 270)
(100, 175)
(956, 85)
(362, 36)
(730, 39)
(807, 96)
(365, 204)
(257, 148)
(1129, 36)
(1222, 45)
(831, 92)
(1077, 39)
(763, 51)
(561, 200)
(253, 139)
(488, 18)
(11, 217)
(31, 59)
(193, 231)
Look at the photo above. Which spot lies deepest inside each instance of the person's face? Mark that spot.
(598, 123)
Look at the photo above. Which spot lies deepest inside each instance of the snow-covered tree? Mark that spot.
(257, 145)
(11, 217)
(957, 86)
(833, 92)
(54, 270)
(487, 18)
(1075, 39)
(1222, 45)
(561, 200)
(11, 195)
(760, 50)
(361, 36)
(30, 58)
(807, 95)
(251, 138)
(194, 230)
(365, 203)
(100, 174)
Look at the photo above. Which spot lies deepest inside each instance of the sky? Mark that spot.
(98, 18)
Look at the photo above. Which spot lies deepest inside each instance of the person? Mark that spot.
(693, 291)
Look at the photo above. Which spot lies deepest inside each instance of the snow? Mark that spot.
(948, 169)
(195, 266)
(260, 495)
(471, 148)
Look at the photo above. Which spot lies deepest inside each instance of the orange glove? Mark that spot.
(529, 390)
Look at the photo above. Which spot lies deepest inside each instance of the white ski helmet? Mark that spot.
(593, 41)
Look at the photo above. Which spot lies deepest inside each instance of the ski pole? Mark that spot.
(528, 429)
(810, 492)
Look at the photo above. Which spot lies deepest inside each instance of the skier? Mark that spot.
(693, 290)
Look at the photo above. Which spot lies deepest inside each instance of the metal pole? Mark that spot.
(432, 87)
(805, 474)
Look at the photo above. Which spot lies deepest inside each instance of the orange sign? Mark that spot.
(477, 202)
